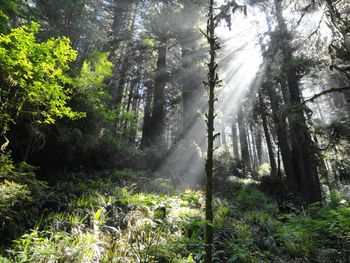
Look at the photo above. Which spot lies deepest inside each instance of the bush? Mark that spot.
(19, 191)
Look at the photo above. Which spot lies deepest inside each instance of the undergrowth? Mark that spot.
(128, 216)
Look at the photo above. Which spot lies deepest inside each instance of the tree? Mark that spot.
(8, 8)
(243, 137)
(212, 82)
(34, 78)
(303, 154)
(262, 109)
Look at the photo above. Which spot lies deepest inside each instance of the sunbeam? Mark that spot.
(239, 62)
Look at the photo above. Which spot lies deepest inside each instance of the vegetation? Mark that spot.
(113, 150)
(105, 221)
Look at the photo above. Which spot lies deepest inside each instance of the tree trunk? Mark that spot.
(258, 142)
(136, 109)
(212, 82)
(147, 127)
(302, 146)
(267, 137)
(253, 146)
(235, 140)
(158, 109)
(243, 138)
(125, 62)
(120, 34)
(282, 135)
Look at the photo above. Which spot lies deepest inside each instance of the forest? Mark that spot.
(174, 131)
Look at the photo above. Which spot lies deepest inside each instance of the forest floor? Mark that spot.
(124, 216)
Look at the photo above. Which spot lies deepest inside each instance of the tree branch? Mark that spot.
(340, 89)
(331, 90)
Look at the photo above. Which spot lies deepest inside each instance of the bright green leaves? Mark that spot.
(91, 84)
(93, 72)
(34, 77)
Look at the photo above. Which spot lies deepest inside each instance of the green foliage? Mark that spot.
(20, 193)
(92, 86)
(249, 198)
(34, 78)
(323, 231)
(114, 224)
(11, 193)
(17, 184)
(104, 221)
(47, 246)
(7, 9)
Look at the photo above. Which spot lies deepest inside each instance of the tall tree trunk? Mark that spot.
(250, 150)
(243, 138)
(120, 34)
(235, 140)
(258, 142)
(253, 146)
(223, 135)
(279, 120)
(302, 146)
(147, 127)
(158, 109)
(126, 60)
(135, 83)
(267, 137)
(136, 109)
(212, 82)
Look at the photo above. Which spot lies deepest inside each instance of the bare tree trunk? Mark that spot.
(136, 109)
(223, 135)
(279, 120)
(253, 146)
(212, 82)
(258, 142)
(243, 138)
(120, 34)
(147, 127)
(235, 140)
(125, 61)
(267, 137)
(158, 110)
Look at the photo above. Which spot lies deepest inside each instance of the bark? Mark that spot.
(134, 86)
(267, 137)
(223, 135)
(254, 148)
(258, 142)
(211, 84)
(147, 127)
(251, 154)
(243, 138)
(279, 120)
(125, 62)
(136, 109)
(235, 140)
(120, 34)
(302, 146)
(157, 120)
